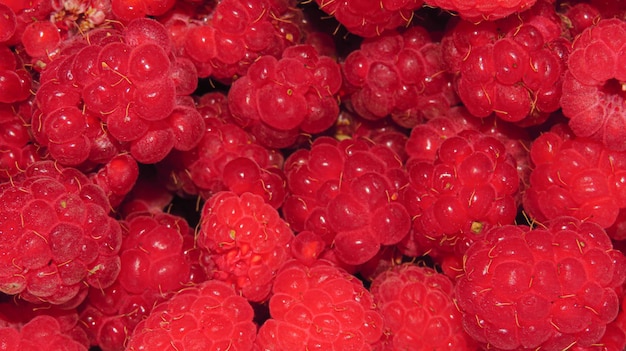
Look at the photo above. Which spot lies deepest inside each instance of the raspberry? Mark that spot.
(115, 90)
(234, 34)
(41, 333)
(367, 18)
(549, 287)
(471, 186)
(512, 67)
(483, 10)
(398, 74)
(405, 291)
(59, 238)
(319, 307)
(294, 94)
(226, 158)
(243, 242)
(347, 193)
(425, 139)
(154, 266)
(577, 177)
(592, 99)
(61, 322)
(208, 316)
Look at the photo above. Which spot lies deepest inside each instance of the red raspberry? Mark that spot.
(577, 177)
(64, 325)
(547, 288)
(424, 139)
(471, 186)
(398, 74)
(224, 42)
(208, 316)
(512, 67)
(112, 91)
(155, 266)
(58, 237)
(227, 158)
(319, 307)
(41, 333)
(297, 93)
(483, 10)
(346, 192)
(370, 18)
(244, 242)
(592, 98)
(406, 291)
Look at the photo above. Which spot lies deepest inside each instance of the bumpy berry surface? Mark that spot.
(154, 266)
(287, 96)
(209, 316)
(398, 74)
(418, 310)
(59, 238)
(319, 307)
(548, 287)
(482, 10)
(244, 242)
(367, 18)
(227, 158)
(576, 176)
(113, 91)
(592, 99)
(224, 42)
(41, 333)
(512, 67)
(150, 147)
(471, 186)
(346, 192)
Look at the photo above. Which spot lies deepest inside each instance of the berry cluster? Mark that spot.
(283, 175)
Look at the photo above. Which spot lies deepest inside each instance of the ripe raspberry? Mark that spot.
(424, 139)
(227, 158)
(471, 186)
(512, 67)
(225, 38)
(368, 18)
(406, 291)
(154, 266)
(575, 176)
(319, 307)
(208, 316)
(41, 333)
(592, 98)
(547, 288)
(112, 91)
(346, 192)
(64, 325)
(244, 242)
(58, 237)
(297, 93)
(483, 10)
(398, 74)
